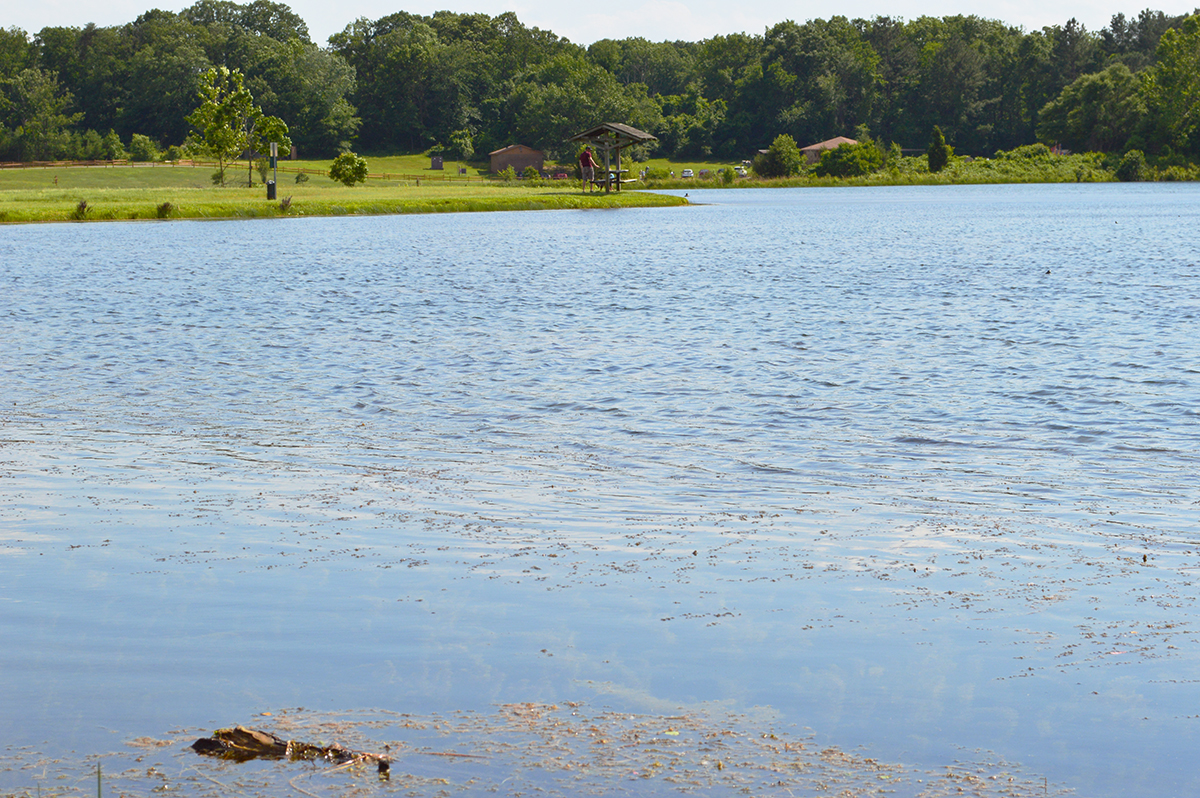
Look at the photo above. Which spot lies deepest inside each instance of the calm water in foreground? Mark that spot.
(913, 468)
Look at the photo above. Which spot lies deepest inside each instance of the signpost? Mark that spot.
(274, 171)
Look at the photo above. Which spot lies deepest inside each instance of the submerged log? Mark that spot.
(241, 744)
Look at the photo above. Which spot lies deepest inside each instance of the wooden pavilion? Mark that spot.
(609, 139)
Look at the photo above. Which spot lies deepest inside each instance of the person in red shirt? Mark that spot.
(587, 166)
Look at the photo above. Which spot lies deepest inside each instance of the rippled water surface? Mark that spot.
(914, 468)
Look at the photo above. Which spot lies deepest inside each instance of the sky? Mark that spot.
(656, 20)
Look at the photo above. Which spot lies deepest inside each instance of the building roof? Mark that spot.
(830, 144)
(511, 147)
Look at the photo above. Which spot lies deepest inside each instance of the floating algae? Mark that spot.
(551, 749)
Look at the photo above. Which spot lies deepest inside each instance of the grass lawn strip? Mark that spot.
(174, 192)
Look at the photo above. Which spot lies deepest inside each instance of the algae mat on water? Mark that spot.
(567, 749)
(166, 192)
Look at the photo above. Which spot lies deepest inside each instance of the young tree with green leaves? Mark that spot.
(230, 121)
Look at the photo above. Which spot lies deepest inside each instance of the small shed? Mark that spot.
(813, 151)
(608, 140)
(518, 156)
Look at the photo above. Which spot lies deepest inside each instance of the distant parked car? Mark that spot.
(741, 171)
(687, 173)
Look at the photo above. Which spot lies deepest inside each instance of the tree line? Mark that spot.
(464, 84)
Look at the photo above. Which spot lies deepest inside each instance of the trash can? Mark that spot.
(270, 189)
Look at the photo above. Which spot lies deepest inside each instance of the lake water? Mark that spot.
(911, 471)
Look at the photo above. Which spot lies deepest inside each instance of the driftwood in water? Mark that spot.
(242, 744)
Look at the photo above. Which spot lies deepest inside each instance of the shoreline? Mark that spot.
(17, 212)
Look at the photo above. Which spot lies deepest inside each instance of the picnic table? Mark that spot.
(612, 177)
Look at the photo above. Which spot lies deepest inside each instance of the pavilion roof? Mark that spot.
(615, 134)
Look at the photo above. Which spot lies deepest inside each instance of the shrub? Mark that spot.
(285, 204)
(194, 149)
(91, 146)
(164, 210)
(461, 144)
(727, 175)
(348, 169)
(301, 177)
(81, 210)
(173, 153)
(939, 151)
(532, 176)
(1029, 152)
(1175, 173)
(1132, 167)
(141, 148)
(111, 148)
(850, 160)
(507, 174)
(782, 159)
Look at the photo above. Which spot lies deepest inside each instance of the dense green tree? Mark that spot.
(36, 116)
(724, 63)
(348, 169)
(690, 125)
(165, 68)
(1172, 88)
(473, 82)
(15, 52)
(110, 148)
(939, 152)
(782, 159)
(1133, 41)
(142, 148)
(819, 79)
(664, 68)
(850, 160)
(1132, 167)
(272, 20)
(309, 87)
(899, 75)
(1096, 113)
(569, 94)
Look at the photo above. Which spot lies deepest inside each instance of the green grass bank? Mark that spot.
(56, 193)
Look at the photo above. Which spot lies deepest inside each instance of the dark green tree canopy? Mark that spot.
(1096, 113)
(470, 82)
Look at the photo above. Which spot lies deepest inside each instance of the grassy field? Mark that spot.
(407, 184)
(65, 193)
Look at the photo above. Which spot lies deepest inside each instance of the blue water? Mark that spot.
(912, 467)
